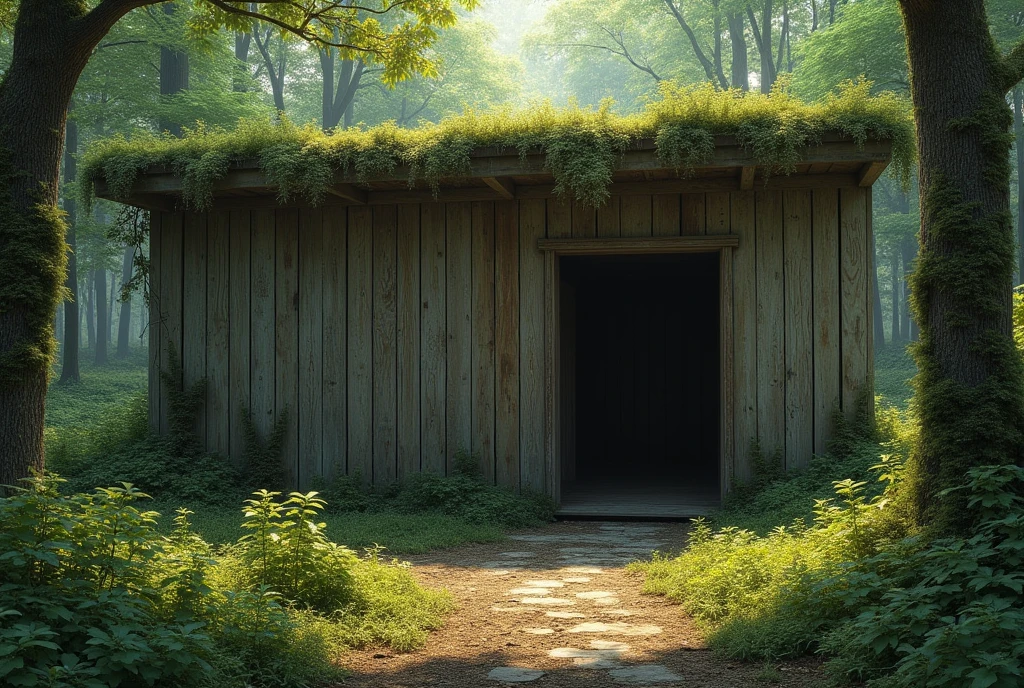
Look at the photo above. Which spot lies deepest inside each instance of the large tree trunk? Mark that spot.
(240, 82)
(100, 281)
(69, 371)
(173, 75)
(908, 254)
(738, 39)
(111, 297)
(894, 282)
(970, 388)
(878, 325)
(124, 318)
(1018, 129)
(90, 311)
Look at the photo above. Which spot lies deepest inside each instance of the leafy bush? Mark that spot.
(91, 594)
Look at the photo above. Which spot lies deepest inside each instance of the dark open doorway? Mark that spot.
(640, 385)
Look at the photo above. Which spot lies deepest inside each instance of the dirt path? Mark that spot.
(555, 608)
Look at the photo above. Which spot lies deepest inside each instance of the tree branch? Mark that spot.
(1013, 64)
(709, 69)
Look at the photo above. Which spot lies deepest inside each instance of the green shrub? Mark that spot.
(91, 594)
(471, 499)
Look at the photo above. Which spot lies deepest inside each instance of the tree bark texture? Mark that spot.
(124, 318)
(1018, 130)
(897, 334)
(908, 254)
(970, 388)
(69, 370)
(738, 39)
(174, 75)
(99, 277)
(90, 311)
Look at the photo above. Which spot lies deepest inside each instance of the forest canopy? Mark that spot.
(580, 144)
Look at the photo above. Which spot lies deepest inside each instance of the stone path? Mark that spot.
(556, 607)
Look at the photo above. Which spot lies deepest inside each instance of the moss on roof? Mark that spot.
(581, 146)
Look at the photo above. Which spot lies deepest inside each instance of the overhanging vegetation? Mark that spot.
(580, 146)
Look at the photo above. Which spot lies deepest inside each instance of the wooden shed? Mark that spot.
(624, 359)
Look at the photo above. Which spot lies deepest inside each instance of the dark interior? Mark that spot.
(641, 339)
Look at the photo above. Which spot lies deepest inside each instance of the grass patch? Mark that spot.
(894, 369)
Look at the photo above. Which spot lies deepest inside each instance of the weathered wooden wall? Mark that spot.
(394, 337)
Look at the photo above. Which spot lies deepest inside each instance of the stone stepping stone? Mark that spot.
(644, 673)
(545, 584)
(565, 615)
(514, 610)
(538, 631)
(583, 569)
(618, 628)
(503, 565)
(503, 572)
(609, 645)
(576, 579)
(619, 612)
(576, 653)
(514, 674)
(529, 591)
(594, 595)
(551, 601)
(596, 663)
(608, 601)
(517, 555)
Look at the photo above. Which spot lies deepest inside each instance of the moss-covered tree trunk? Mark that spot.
(970, 388)
(52, 42)
(69, 370)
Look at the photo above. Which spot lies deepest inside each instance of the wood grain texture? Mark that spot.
(771, 324)
(638, 245)
(385, 344)
(408, 340)
(506, 340)
(744, 330)
(608, 218)
(584, 221)
(552, 381)
(241, 290)
(531, 346)
(694, 221)
(727, 392)
(459, 300)
(559, 218)
(483, 337)
(286, 343)
(827, 332)
(718, 213)
(433, 373)
(171, 283)
(261, 366)
(310, 418)
(635, 214)
(666, 218)
(799, 329)
(854, 305)
(218, 334)
(335, 327)
(155, 325)
(193, 310)
(360, 342)
(872, 282)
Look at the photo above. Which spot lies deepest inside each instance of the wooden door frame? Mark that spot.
(553, 249)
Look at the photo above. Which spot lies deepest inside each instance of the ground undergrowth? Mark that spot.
(825, 561)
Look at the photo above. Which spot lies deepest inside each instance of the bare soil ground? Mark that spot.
(594, 640)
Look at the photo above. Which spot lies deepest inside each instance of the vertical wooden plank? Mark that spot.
(552, 485)
(385, 344)
(433, 371)
(727, 447)
(608, 218)
(261, 367)
(635, 216)
(241, 291)
(584, 221)
(718, 213)
(193, 310)
(459, 304)
(335, 353)
(155, 324)
(827, 333)
(360, 343)
(218, 334)
(408, 340)
(666, 219)
(869, 381)
(854, 305)
(531, 345)
(744, 330)
(483, 336)
(286, 342)
(171, 282)
(506, 339)
(799, 329)
(310, 418)
(694, 215)
(771, 324)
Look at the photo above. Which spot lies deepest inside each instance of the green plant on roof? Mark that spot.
(581, 146)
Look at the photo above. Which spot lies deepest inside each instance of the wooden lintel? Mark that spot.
(747, 178)
(870, 172)
(349, 192)
(638, 245)
(151, 202)
(503, 185)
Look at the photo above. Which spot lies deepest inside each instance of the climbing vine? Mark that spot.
(580, 146)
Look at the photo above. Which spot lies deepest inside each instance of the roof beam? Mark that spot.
(870, 172)
(350, 192)
(747, 178)
(503, 185)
